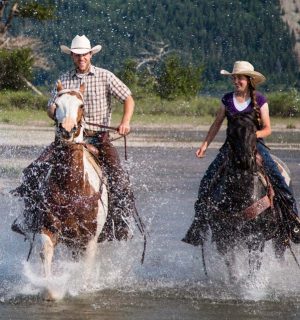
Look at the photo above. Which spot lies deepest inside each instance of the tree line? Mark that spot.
(165, 40)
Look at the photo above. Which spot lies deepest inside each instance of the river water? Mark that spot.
(171, 283)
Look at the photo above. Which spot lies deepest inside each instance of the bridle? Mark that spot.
(63, 91)
(113, 129)
(75, 131)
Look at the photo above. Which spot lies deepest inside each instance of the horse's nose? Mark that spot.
(68, 124)
(65, 134)
(74, 129)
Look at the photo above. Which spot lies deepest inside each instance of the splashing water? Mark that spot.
(165, 182)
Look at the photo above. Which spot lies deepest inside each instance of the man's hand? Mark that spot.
(124, 128)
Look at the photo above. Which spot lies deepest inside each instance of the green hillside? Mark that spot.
(207, 32)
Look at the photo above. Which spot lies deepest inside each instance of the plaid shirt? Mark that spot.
(100, 86)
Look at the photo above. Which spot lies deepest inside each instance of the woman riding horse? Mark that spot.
(244, 100)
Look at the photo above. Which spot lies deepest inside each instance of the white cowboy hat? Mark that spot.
(247, 69)
(80, 45)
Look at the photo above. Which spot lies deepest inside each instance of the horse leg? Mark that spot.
(227, 250)
(90, 255)
(92, 245)
(47, 243)
(230, 262)
(279, 245)
(255, 257)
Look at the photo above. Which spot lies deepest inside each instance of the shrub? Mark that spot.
(152, 105)
(22, 100)
(178, 79)
(284, 104)
(14, 65)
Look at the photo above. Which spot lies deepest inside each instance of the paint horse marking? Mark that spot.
(71, 206)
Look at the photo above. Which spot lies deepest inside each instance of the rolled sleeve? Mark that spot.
(118, 89)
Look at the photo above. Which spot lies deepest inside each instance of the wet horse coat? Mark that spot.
(71, 195)
(66, 195)
(236, 198)
(242, 201)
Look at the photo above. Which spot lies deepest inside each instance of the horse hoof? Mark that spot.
(233, 279)
(47, 295)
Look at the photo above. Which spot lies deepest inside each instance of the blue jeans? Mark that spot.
(276, 178)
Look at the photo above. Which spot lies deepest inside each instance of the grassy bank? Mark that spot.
(24, 108)
(40, 118)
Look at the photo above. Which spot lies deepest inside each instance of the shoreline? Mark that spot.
(176, 136)
(146, 127)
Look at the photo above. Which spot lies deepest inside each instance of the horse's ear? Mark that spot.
(59, 86)
(81, 88)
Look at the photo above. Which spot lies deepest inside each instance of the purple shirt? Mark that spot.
(227, 101)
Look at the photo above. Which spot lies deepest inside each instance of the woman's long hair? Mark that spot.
(254, 104)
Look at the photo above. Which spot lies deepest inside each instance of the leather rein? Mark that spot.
(77, 129)
(263, 203)
(115, 129)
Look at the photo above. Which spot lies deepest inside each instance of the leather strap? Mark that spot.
(257, 208)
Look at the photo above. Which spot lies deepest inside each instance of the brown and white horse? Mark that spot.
(68, 203)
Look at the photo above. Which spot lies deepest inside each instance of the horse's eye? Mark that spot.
(81, 107)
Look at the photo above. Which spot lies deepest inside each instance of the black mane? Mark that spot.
(241, 137)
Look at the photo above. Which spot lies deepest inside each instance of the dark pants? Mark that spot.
(121, 204)
(284, 198)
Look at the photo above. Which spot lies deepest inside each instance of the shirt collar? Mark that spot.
(91, 72)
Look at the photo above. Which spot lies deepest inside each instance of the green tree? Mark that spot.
(17, 52)
(213, 33)
(128, 72)
(146, 81)
(9, 10)
(16, 62)
(178, 79)
(140, 81)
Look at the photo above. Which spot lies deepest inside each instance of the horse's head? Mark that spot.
(69, 112)
(241, 136)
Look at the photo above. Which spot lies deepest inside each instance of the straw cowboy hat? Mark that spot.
(245, 68)
(80, 45)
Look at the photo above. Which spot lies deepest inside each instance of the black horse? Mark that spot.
(238, 204)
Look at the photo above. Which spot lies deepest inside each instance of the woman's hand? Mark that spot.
(213, 130)
(200, 153)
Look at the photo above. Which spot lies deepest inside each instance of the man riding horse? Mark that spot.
(100, 86)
